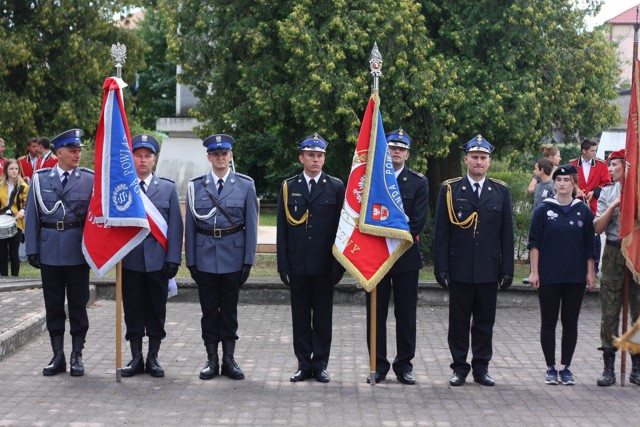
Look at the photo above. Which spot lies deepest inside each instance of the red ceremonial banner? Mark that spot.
(629, 209)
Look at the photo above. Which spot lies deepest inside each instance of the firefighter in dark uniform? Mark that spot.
(473, 251)
(309, 208)
(403, 276)
(221, 236)
(148, 267)
(57, 207)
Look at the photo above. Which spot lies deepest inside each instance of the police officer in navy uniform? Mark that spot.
(57, 207)
(309, 208)
(473, 251)
(148, 267)
(403, 276)
(220, 245)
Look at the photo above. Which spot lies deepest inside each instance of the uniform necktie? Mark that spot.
(220, 185)
(65, 178)
(143, 187)
(476, 190)
(312, 185)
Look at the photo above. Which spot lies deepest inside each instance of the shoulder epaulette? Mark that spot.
(336, 179)
(197, 178)
(573, 160)
(292, 178)
(452, 180)
(497, 181)
(167, 179)
(41, 170)
(88, 170)
(416, 173)
(243, 176)
(21, 158)
(600, 160)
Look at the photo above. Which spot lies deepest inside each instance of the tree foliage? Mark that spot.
(55, 55)
(156, 91)
(509, 70)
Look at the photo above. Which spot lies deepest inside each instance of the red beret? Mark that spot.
(619, 154)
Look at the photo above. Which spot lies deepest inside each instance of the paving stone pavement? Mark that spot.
(266, 397)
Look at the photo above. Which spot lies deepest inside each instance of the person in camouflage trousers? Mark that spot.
(613, 270)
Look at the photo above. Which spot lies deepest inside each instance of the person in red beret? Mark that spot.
(613, 266)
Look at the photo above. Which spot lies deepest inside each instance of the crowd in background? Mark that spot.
(15, 177)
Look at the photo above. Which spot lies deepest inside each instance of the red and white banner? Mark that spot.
(117, 220)
(373, 231)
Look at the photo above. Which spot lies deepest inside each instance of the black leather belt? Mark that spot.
(613, 243)
(62, 225)
(219, 232)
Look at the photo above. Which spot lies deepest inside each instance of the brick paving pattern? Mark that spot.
(266, 397)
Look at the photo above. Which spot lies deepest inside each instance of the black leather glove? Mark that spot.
(244, 274)
(194, 272)
(506, 282)
(170, 269)
(336, 276)
(284, 276)
(443, 279)
(34, 261)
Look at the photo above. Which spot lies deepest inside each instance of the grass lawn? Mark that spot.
(266, 266)
(268, 218)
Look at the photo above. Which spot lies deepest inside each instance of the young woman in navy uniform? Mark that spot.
(562, 265)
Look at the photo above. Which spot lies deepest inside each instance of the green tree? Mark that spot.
(156, 88)
(55, 55)
(271, 74)
(520, 67)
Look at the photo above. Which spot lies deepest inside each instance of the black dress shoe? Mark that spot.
(322, 376)
(406, 378)
(484, 378)
(457, 380)
(379, 377)
(300, 375)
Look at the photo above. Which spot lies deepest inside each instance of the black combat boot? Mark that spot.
(635, 369)
(212, 366)
(58, 362)
(608, 376)
(77, 367)
(229, 366)
(153, 367)
(136, 365)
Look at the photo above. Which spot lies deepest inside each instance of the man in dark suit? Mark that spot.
(473, 252)
(220, 246)
(403, 277)
(148, 267)
(309, 208)
(57, 207)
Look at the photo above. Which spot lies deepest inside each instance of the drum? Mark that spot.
(8, 227)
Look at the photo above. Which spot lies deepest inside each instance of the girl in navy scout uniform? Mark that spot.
(562, 265)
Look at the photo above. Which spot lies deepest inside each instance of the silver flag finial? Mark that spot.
(119, 56)
(376, 61)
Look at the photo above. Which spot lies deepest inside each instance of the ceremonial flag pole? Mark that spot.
(375, 64)
(119, 60)
(117, 220)
(373, 231)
